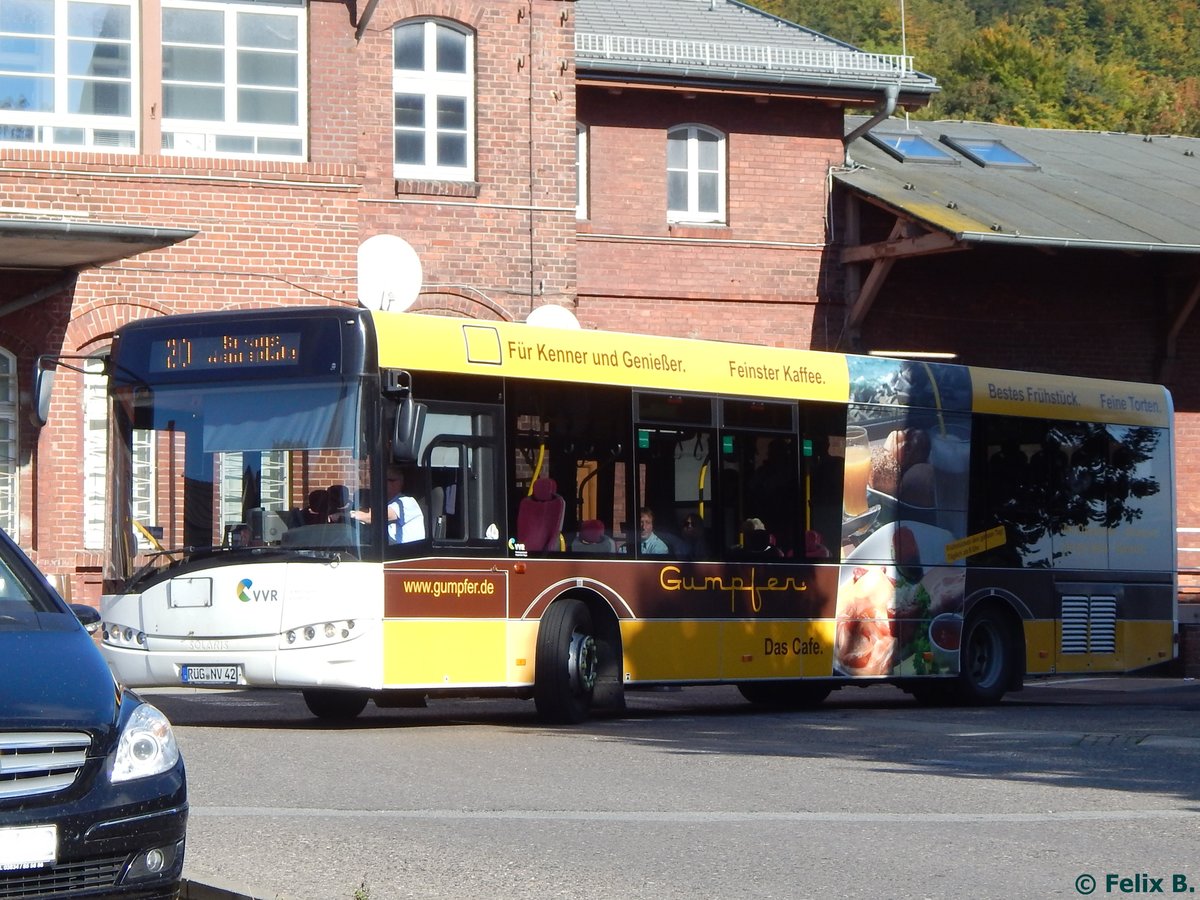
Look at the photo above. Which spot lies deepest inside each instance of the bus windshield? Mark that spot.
(213, 468)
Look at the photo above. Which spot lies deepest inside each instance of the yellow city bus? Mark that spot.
(389, 507)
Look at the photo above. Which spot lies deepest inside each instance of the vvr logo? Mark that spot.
(247, 595)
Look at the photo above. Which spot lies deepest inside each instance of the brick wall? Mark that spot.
(507, 242)
(1188, 664)
(276, 233)
(272, 233)
(758, 277)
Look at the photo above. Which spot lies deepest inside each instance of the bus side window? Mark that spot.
(1017, 474)
(820, 447)
(457, 482)
(578, 436)
(759, 482)
(461, 505)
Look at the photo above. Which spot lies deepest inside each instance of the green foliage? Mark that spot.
(1115, 65)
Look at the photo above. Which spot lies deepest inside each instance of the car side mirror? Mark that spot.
(88, 616)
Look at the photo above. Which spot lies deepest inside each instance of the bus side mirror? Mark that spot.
(410, 423)
(43, 382)
(43, 386)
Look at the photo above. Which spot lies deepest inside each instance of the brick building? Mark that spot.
(1078, 254)
(619, 158)
(663, 166)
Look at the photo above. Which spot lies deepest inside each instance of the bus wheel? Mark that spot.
(987, 659)
(565, 666)
(336, 705)
(785, 695)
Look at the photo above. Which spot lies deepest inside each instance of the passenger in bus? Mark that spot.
(241, 536)
(814, 545)
(405, 521)
(316, 509)
(338, 504)
(756, 540)
(649, 543)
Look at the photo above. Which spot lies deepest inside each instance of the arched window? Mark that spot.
(433, 85)
(9, 494)
(695, 174)
(95, 460)
(95, 452)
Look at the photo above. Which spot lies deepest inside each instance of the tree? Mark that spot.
(1002, 75)
(1118, 65)
(872, 25)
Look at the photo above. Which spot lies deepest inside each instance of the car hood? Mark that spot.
(53, 676)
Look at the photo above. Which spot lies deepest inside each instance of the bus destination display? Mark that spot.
(225, 351)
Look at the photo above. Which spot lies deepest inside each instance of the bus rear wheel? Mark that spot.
(566, 663)
(338, 706)
(987, 659)
(785, 694)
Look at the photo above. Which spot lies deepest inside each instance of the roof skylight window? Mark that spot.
(988, 152)
(910, 146)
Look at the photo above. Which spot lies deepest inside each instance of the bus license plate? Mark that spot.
(209, 674)
(28, 847)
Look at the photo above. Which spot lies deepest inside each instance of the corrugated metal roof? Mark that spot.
(725, 40)
(1090, 189)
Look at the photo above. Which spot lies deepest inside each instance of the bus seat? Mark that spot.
(540, 517)
(592, 538)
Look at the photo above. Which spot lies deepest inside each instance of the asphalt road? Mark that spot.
(1086, 788)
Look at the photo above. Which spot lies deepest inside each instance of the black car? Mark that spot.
(93, 797)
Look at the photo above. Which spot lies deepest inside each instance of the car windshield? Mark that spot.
(207, 469)
(18, 603)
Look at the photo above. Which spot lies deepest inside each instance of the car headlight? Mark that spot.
(147, 746)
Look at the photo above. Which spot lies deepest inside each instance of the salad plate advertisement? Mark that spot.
(896, 614)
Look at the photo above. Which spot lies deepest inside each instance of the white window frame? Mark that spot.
(274, 485)
(430, 84)
(143, 484)
(95, 452)
(230, 137)
(583, 140)
(58, 127)
(694, 171)
(10, 434)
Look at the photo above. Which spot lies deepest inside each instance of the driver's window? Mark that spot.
(454, 481)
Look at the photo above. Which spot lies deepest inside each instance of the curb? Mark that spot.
(191, 890)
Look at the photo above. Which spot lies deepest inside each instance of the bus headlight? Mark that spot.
(123, 636)
(318, 634)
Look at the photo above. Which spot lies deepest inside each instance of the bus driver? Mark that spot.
(405, 521)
